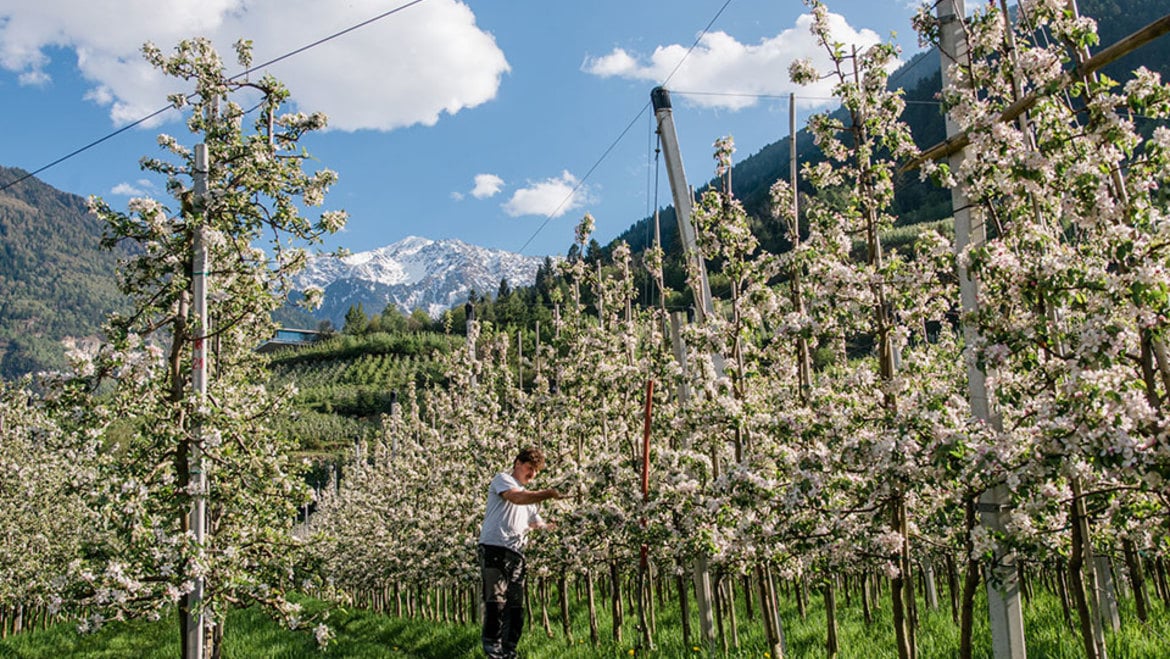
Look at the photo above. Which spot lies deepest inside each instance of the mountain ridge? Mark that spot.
(413, 273)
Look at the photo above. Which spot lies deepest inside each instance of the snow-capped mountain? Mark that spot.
(414, 273)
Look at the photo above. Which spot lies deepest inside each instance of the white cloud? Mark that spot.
(34, 78)
(127, 190)
(407, 68)
(549, 198)
(139, 188)
(487, 185)
(720, 66)
(617, 63)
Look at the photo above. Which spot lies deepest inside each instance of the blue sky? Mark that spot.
(470, 120)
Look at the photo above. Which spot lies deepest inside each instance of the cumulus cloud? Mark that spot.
(127, 190)
(721, 67)
(551, 197)
(407, 68)
(487, 185)
(140, 188)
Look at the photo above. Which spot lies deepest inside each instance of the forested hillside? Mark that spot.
(55, 282)
(1117, 19)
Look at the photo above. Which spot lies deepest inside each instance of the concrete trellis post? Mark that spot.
(1003, 591)
(200, 265)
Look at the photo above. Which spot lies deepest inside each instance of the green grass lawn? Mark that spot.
(251, 633)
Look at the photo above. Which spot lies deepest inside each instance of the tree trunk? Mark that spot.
(731, 609)
(970, 583)
(214, 648)
(953, 587)
(899, 584)
(659, 588)
(680, 583)
(1160, 581)
(473, 604)
(1061, 577)
(749, 611)
(831, 647)
(911, 601)
(1025, 583)
(656, 579)
(616, 601)
(866, 599)
(542, 595)
(566, 622)
(1092, 634)
(645, 601)
(1136, 579)
(594, 635)
(719, 613)
(770, 610)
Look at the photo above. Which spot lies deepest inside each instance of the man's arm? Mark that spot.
(522, 497)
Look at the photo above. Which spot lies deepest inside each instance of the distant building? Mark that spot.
(291, 338)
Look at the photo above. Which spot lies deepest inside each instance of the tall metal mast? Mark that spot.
(660, 98)
(683, 206)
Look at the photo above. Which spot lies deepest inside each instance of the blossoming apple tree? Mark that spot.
(136, 390)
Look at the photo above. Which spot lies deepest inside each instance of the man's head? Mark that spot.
(529, 461)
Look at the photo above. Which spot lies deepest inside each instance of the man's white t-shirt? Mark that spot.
(506, 524)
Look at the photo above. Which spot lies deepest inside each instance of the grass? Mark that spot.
(360, 634)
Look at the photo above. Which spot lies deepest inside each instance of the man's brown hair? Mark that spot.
(532, 456)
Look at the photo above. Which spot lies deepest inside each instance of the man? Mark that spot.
(511, 513)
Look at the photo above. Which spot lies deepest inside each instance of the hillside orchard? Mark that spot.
(816, 431)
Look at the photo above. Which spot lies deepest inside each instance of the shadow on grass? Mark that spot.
(364, 634)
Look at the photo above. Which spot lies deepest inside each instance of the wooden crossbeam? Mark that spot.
(1107, 56)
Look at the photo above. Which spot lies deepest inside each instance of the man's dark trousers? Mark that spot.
(503, 600)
